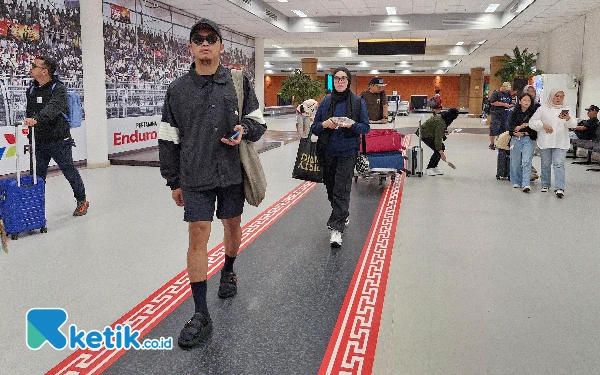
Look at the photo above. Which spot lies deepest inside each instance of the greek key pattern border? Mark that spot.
(351, 349)
(155, 308)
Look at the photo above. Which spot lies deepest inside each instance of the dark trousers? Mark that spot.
(338, 172)
(62, 154)
(436, 157)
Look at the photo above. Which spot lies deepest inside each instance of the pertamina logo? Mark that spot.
(11, 149)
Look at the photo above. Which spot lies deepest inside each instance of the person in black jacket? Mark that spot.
(46, 110)
(338, 145)
(198, 142)
(521, 143)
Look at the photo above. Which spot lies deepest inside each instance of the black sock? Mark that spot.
(228, 267)
(199, 293)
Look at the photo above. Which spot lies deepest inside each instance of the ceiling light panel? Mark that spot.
(299, 13)
(391, 11)
(492, 8)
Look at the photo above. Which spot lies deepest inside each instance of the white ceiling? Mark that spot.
(524, 30)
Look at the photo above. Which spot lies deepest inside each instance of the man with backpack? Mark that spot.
(47, 110)
(376, 100)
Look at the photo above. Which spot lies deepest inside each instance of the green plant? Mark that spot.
(300, 87)
(522, 65)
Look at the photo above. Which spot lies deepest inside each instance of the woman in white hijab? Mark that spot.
(552, 122)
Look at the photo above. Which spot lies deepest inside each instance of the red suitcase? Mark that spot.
(383, 140)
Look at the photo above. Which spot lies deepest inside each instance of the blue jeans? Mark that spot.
(62, 154)
(521, 153)
(554, 157)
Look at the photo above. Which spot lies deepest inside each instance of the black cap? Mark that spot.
(593, 108)
(205, 23)
(378, 81)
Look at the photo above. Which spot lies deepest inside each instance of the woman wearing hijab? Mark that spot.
(521, 143)
(434, 135)
(338, 147)
(552, 122)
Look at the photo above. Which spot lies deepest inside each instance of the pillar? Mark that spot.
(463, 91)
(309, 66)
(475, 92)
(94, 83)
(259, 71)
(495, 65)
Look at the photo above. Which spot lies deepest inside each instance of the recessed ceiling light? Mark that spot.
(374, 72)
(283, 1)
(341, 45)
(460, 43)
(391, 11)
(492, 8)
(275, 45)
(482, 41)
(299, 13)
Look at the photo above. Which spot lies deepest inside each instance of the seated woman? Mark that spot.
(433, 134)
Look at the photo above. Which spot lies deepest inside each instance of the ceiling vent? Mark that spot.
(303, 52)
(391, 71)
(271, 52)
(271, 15)
(389, 23)
(352, 63)
(418, 71)
(404, 64)
(247, 2)
(465, 22)
(310, 25)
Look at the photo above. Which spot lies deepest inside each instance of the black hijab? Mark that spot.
(345, 95)
(449, 116)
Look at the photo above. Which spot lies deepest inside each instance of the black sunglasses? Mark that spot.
(199, 39)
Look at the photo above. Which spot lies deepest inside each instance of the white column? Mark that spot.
(259, 69)
(94, 83)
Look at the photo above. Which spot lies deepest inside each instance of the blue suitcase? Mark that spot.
(386, 160)
(22, 200)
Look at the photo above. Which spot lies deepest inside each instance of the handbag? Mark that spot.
(362, 162)
(255, 182)
(307, 166)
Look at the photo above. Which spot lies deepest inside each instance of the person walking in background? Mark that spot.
(376, 100)
(46, 110)
(433, 134)
(521, 143)
(305, 113)
(552, 122)
(198, 142)
(338, 147)
(500, 102)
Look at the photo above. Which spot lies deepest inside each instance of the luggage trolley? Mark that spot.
(388, 160)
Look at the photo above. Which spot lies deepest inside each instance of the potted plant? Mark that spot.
(299, 87)
(518, 69)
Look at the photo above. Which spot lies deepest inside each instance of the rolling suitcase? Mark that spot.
(503, 165)
(22, 200)
(386, 160)
(414, 159)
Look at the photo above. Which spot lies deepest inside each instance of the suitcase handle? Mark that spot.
(33, 164)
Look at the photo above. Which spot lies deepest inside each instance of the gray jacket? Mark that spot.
(198, 111)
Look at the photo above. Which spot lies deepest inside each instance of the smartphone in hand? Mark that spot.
(232, 135)
(563, 113)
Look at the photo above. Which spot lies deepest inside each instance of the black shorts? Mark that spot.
(200, 205)
(497, 123)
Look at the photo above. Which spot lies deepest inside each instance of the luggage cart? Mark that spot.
(403, 108)
(383, 165)
(393, 105)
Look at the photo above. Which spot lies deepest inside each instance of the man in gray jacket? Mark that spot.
(199, 157)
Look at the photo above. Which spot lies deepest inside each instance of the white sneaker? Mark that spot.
(516, 186)
(430, 172)
(336, 238)
(526, 189)
(438, 172)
